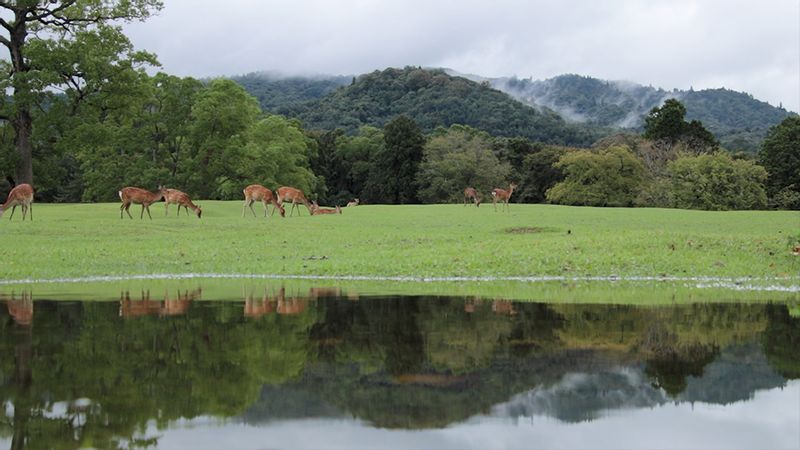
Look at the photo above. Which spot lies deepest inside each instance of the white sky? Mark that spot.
(745, 45)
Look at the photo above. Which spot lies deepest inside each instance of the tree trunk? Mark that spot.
(22, 121)
(23, 128)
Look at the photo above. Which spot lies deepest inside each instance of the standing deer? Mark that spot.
(502, 195)
(181, 199)
(353, 203)
(471, 193)
(21, 195)
(257, 192)
(293, 195)
(316, 210)
(130, 195)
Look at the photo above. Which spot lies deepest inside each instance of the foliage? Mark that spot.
(780, 156)
(667, 127)
(280, 95)
(540, 172)
(611, 177)
(717, 182)
(457, 158)
(432, 98)
(49, 45)
(736, 119)
(393, 178)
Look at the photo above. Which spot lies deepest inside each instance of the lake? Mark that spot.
(326, 368)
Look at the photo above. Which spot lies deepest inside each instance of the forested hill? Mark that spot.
(279, 94)
(737, 119)
(432, 98)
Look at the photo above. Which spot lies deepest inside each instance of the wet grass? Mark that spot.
(416, 241)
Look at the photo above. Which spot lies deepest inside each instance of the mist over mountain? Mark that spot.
(567, 109)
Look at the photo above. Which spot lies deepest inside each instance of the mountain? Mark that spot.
(737, 119)
(567, 109)
(277, 93)
(429, 96)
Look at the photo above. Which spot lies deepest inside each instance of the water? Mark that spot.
(322, 369)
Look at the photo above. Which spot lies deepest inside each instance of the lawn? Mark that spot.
(79, 240)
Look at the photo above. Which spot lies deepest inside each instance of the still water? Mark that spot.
(324, 369)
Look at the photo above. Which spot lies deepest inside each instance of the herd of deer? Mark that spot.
(22, 195)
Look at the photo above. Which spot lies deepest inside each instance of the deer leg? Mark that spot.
(24, 211)
(30, 207)
(13, 208)
(141, 216)
(148, 211)
(128, 210)
(166, 208)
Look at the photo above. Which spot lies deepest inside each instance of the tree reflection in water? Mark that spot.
(96, 373)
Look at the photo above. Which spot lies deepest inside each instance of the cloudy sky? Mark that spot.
(745, 45)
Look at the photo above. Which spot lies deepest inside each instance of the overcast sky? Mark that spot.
(745, 45)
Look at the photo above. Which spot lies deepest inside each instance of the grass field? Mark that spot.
(78, 240)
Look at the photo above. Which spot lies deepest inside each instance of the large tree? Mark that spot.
(29, 75)
(780, 155)
(393, 179)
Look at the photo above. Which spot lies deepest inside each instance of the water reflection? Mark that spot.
(121, 373)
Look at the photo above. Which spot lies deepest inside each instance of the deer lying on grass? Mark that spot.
(181, 199)
(21, 195)
(130, 195)
(257, 192)
(502, 195)
(316, 210)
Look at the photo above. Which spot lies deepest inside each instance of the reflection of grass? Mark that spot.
(426, 240)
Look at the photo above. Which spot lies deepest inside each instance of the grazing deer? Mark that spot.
(353, 203)
(21, 195)
(502, 195)
(257, 192)
(316, 210)
(293, 195)
(130, 195)
(181, 199)
(471, 193)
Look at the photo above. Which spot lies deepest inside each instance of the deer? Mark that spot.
(471, 193)
(181, 199)
(353, 203)
(286, 193)
(502, 195)
(21, 195)
(316, 210)
(256, 192)
(140, 196)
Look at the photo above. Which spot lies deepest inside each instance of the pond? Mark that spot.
(324, 368)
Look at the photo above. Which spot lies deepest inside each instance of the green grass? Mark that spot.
(416, 241)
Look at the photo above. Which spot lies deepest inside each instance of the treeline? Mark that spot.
(212, 139)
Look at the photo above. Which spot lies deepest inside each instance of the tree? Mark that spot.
(780, 156)
(611, 177)
(357, 154)
(221, 115)
(48, 24)
(460, 157)
(393, 179)
(539, 173)
(667, 127)
(717, 182)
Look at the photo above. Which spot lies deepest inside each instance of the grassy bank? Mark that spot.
(418, 241)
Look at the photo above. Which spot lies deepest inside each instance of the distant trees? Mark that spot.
(717, 182)
(610, 177)
(780, 155)
(393, 178)
(456, 158)
(666, 126)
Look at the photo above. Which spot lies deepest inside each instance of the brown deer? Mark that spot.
(290, 194)
(471, 193)
(179, 198)
(257, 192)
(21, 195)
(502, 195)
(316, 210)
(353, 203)
(143, 197)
